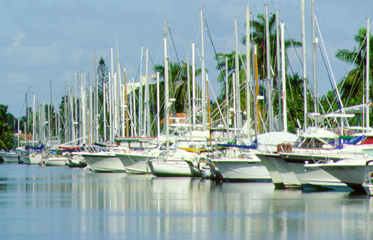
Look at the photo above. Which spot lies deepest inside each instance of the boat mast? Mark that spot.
(75, 118)
(133, 122)
(367, 75)
(227, 95)
(203, 75)
(189, 101)
(268, 81)
(26, 127)
(51, 111)
(95, 97)
(146, 104)
(248, 99)
(140, 94)
(65, 113)
(111, 90)
(314, 42)
(90, 117)
(84, 111)
(158, 112)
(278, 61)
(119, 100)
(237, 111)
(284, 116)
(234, 104)
(80, 108)
(33, 117)
(18, 123)
(58, 120)
(257, 117)
(104, 106)
(304, 67)
(194, 84)
(72, 138)
(90, 126)
(115, 105)
(208, 105)
(125, 100)
(166, 103)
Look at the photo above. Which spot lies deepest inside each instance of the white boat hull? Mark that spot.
(351, 172)
(135, 163)
(315, 178)
(170, 168)
(368, 187)
(35, 158)
(265, 158)
(10, 157)
(288, 177)
(215, 170)
(103, 162)
(242, 169)
(56, 161)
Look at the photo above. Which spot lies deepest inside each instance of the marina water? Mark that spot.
(72, 203)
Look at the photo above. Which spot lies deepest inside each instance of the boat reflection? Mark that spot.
(157, 208)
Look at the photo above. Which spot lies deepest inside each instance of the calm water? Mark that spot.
(63, 203)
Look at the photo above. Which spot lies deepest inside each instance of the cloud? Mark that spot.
(31, 55)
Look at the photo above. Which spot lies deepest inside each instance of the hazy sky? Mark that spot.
(45, 40)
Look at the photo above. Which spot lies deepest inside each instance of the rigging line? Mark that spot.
(24, 103)
(353, 62)
(330, 67)
(157, 53)
(355, 84)
(213, 46)
(151, 61)
(291, 42)
(328, 72)
(291, 92)
(323, 16)
(218, 106)
(322, 108)
(191, 38)
(173, 44)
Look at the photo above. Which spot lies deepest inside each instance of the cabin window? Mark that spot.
(306, 143)
(298, 142)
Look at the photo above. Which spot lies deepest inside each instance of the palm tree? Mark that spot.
(258, 37)
(220, 57)
(352, 85)
(177, 82)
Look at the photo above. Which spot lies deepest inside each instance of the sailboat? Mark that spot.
(11, 156)
(103, 159)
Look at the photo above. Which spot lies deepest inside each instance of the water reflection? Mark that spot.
(60, 202)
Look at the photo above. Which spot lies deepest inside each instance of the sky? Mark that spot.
(45, 41)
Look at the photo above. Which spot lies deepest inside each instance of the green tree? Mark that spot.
(177, 83)
(6, 133)
(103, 77)
(258, 36)
(352, 86)
(220, 57)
